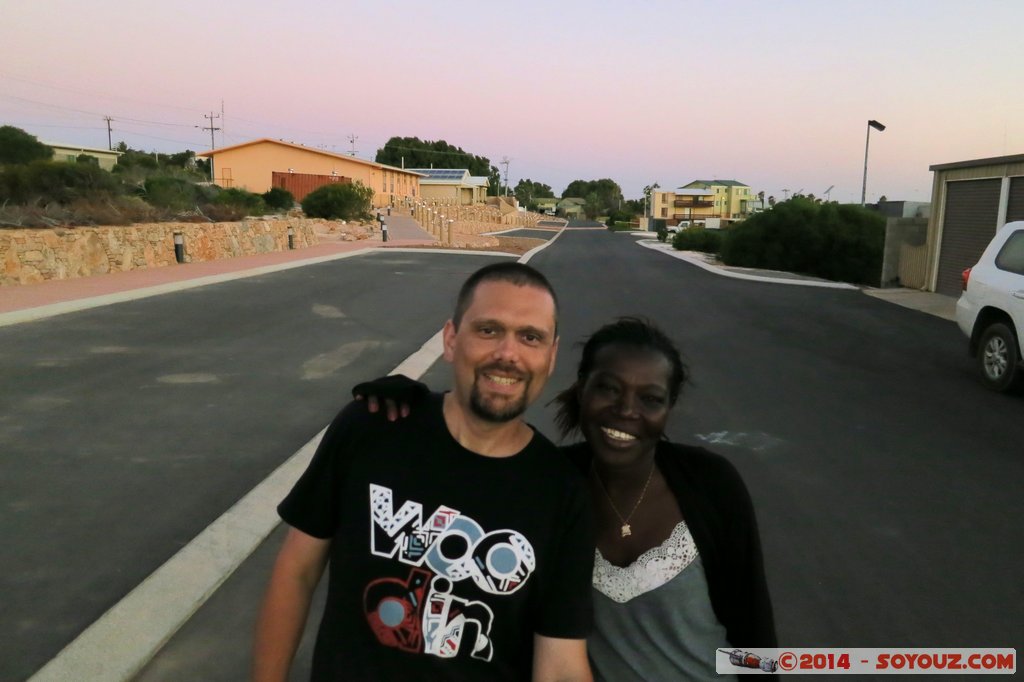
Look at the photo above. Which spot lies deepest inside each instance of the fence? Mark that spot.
(441, 219)
(905, 258)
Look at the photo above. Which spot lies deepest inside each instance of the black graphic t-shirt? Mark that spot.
(443, 562)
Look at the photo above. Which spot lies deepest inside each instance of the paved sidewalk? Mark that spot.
(402, 229)
(929, 302)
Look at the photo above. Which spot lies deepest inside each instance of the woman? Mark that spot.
(678, 570)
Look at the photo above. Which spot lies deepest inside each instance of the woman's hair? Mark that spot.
(631, 332)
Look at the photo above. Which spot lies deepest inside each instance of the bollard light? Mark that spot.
(179, 247)
(383, 231)
(291, 238)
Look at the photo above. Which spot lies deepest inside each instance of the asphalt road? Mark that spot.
(126, 430)
(887, 481)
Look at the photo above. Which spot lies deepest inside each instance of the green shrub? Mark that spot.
(55, 182)
(246, 202)
(661, 231)
(825, 240)
(340, 200)
(278, 198)
(171, 192)
(223, 213)
(697, 239)
(619, 226)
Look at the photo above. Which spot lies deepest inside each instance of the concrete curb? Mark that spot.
(694, 260)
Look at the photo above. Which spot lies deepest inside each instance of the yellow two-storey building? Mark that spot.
(721, 201)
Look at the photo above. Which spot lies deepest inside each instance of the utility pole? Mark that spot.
(352, 139)
(110, 143)
(213, 144)
(504, 162)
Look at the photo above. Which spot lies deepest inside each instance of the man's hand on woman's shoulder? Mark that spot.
(397, 394)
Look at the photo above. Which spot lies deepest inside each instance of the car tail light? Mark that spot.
(965, 277)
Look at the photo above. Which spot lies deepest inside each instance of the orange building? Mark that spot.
(258, 165)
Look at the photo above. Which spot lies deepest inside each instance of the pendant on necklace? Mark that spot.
(626, 530)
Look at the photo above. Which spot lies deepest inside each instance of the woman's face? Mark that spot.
(624, 403)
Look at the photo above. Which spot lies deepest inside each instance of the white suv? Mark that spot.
(991, 308)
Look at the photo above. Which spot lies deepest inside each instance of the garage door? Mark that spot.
(1015, 207)
(972, 207)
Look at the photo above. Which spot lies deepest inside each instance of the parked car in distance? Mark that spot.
(990, 310)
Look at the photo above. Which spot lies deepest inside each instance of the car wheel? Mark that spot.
(998, 357)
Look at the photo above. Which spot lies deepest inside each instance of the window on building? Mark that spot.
(664, 213)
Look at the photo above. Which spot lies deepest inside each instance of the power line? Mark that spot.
(91, 113)
(93, 93)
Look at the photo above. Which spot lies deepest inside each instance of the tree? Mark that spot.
(592, 205)
(607, 194)
(648, 191)
(526, 191)
(132, 159)
(17, 147)
(412, 152)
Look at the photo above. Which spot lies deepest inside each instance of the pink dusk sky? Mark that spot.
(774, 94)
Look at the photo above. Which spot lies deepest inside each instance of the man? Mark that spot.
(459, 540)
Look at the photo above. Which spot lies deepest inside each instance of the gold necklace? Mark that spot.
(626, 530)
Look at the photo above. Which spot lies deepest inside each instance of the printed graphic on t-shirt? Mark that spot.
(423, 613)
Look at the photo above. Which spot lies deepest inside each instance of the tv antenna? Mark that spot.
(352, 139)
(505, 161)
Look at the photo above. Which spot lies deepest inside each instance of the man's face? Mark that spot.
(503, 351)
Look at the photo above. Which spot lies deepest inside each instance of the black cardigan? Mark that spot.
(716, 506)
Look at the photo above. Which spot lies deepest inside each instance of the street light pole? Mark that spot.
(864, 187)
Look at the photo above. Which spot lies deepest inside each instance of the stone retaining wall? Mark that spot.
(36, 255)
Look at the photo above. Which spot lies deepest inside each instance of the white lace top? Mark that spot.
(651, 570)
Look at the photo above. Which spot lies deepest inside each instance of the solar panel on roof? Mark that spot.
(445, 173)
